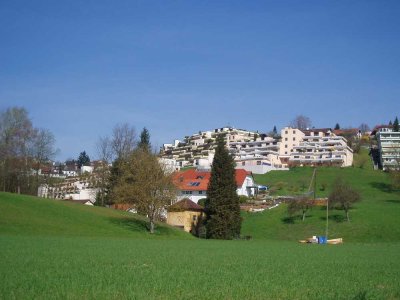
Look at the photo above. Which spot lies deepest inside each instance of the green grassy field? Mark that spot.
(57, 250)
(374, 219)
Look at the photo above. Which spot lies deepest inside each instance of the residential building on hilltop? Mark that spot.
(259, 153)
(321, 147)
(199, 149)
(388, 146)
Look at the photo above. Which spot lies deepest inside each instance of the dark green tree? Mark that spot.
(396, 125)
(390, 123)
(83, 159)
(222, 206)
(144, 142)
(337, 126)
(275, 131)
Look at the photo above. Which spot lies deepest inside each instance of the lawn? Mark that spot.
(374, 219)
(127, 268)
(61, 250)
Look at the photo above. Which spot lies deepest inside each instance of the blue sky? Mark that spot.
(177, 67)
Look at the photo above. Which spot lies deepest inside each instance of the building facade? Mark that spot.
(389, 147)
(192, 184)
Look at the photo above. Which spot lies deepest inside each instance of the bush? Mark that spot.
(243, 199)
(279, 185)
(202, 202)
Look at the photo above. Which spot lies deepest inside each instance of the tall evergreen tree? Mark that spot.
(222, 208)
(145, 140)
(390, 123)
(337, 126)
(275, 131)
(83, 159)
(396, 125)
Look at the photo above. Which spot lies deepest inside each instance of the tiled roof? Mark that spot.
(194, 180)
(353, 131)
(185, 205)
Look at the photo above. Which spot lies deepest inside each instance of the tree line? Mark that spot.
(23, 150)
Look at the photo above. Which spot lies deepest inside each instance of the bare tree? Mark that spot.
(302, 204)
(104, 152)
(123, 140)
(301, 122)
(145, 184)
(15, 133)
(343, 196)
(42, 148)
(364, 128)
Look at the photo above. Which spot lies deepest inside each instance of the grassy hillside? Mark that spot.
(374, 219)
(57, 250)
(26, 215)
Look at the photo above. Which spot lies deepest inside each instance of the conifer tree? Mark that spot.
(275, 131)
(83, 159)
(145, 140)
(222, 205)
(337, 126)
(396, 125)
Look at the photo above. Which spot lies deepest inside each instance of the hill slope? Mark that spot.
(374, 219)
(26, 215)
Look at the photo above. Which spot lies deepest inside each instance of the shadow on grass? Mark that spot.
(336, 218)
(288, 220)
(393, 201)
(293, 219)
(140, 225)
(362, 295)
(132, 224)
(384, 187)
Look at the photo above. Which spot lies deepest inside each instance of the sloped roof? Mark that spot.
(350, 131)
(194, 180)
(185, 205)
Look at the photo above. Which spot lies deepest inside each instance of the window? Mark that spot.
(294, 131)
(258, 162)
(285, 146)
(286, 132)
(200, 192)
(285, 139)
(194, 218)
(294, 139)
(243, 163)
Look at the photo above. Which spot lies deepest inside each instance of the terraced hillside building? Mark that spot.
(198, 149)
(321, 147)
(259, 153)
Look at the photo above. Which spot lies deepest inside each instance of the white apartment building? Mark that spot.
(70, 189)
(290, 138)
(321, 147)
(259, 153)
(259, 156)
(198, 149)
(389, 147)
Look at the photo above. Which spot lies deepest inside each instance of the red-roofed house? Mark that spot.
(192, 183)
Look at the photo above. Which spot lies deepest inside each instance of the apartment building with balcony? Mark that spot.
(319, 147)
(389, 147)
(199, 149)
(259, 156)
